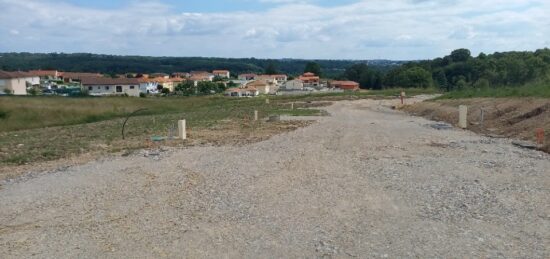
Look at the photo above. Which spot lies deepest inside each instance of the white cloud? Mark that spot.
(397, 29)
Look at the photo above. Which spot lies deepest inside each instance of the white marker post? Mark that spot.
(292, 106)
(267, 101)
(182, 133)
(255, 115)
(463, 116)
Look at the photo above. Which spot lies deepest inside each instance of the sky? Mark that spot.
(308, 29)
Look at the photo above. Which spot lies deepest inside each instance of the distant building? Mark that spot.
(151, 85)
(294, 85)
(242, 92)
(147, 86)
(309, 80)
(221, 73)
(247, 77)
(345, 85)
(111, 86)
(70, 77)
(17, 82)
(238, 83)
(280, 79)
(46, 74)
(181, 75)
(264, 86)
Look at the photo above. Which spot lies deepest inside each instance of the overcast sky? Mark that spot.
(320, 29)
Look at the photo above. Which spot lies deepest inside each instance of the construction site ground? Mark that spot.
(365, 181)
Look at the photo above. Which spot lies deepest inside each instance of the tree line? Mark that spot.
(457, 71)
(111, 64)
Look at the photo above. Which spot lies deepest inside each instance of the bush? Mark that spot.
(142, 95)
(33, 91)
(3, 114)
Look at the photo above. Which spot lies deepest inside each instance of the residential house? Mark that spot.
(151, 85)
(102, 86)
(181, 75)
(17, 82)
(221, 73)
(345, 85)
(71, 77)
(170, 83)
(281, 78)
(46, 74)
(295, 84)
(201, 77)
(148, 86)
(238, 83)
(247, 77)
(242, 92)
(309, 80)
(264, 86)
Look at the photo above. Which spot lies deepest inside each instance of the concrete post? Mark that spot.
(255, 115)
(482, 117)
(292, 106)
(463, 116)
(267, 101)
(182, 133)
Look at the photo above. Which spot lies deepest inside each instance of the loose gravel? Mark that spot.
(366, 181)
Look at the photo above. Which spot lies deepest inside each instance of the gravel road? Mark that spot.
(365, 182)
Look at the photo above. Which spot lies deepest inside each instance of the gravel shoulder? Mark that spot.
(366, 181)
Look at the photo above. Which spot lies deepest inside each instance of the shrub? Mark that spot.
(142, 95)
(3, 114)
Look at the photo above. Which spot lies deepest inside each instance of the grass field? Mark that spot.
(531, 90)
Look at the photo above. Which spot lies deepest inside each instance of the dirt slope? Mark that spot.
(366, 182)
(510, 117)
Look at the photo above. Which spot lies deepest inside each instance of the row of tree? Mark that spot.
(110, 64)
(458, 70)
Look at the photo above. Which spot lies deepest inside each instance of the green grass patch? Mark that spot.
(541, 90)
(3, 114)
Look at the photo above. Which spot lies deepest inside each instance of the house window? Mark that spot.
(90, 88)
(106, 87)
(99, 88)
(132, 87)
(119, 89)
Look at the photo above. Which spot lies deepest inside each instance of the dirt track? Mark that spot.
(364, 182)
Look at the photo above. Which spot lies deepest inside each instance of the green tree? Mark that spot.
(441, 80)
(271, 69)
(186, 88)
(313, 67)
(461, 55)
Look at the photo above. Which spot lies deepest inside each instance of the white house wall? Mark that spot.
(111, 90)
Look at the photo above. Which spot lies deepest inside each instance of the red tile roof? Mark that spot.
(78, 75)
(52, 73)
(345, 84)
(11, 75)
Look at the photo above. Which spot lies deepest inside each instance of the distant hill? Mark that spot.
(111, 64)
